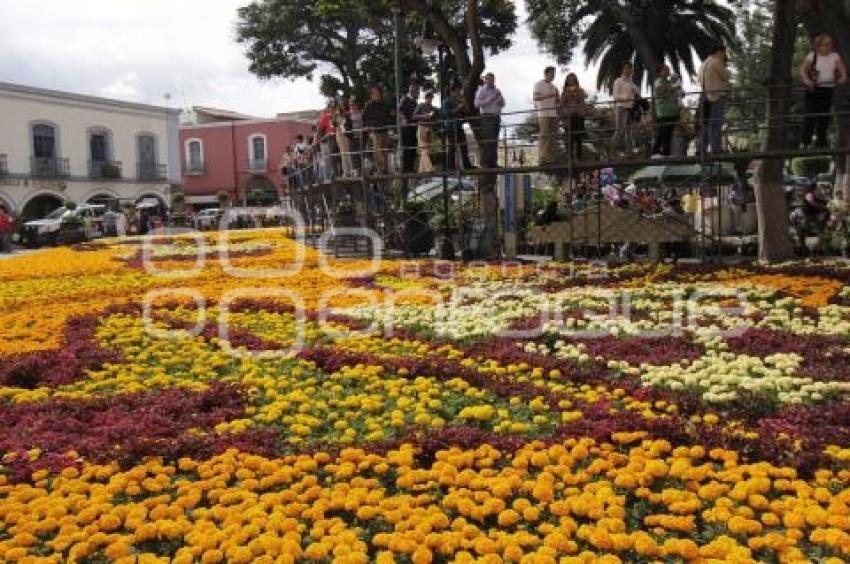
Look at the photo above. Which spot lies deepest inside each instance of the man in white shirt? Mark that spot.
(489, 101)
(821, 71)
(546, 103)
(625, 93)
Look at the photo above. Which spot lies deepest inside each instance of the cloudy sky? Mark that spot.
(141, 50)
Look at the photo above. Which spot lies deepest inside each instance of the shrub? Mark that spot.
(810, 167)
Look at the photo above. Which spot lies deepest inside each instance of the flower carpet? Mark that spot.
(244, 398)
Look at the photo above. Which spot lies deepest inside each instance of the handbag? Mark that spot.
(813, 68)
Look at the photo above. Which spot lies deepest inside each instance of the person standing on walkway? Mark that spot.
(573, 109)
(378, 119)
(424, 116)
(355, 133)
(821, 71)
(109, 220)
(451, 114)
(715, 77)
(342, 125)
(625, 94)
(546, 103)
(406, 107)
(666, 109)
(490, 102)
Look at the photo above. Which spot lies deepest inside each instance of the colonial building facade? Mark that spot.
(240, 155)
(57, 146)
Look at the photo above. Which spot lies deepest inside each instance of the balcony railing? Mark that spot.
(195, 168)
(104, 169)
(4, 165)
(49, 167)
(150, 171)
(258, 165)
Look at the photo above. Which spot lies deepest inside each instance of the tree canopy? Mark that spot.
(645, 32)
(349, 45)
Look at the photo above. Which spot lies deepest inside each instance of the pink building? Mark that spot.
(237, 154)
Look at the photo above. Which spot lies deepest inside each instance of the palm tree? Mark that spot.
(645, 32)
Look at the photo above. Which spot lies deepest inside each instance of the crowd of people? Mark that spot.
(348, 136)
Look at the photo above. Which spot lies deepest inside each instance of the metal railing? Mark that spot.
(150, 171)
(604, 139)
(4, 165)
(104, 169)
(49, 167)
(320, 177)
(258, 165)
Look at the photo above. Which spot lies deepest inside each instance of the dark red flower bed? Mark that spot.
(79, 352)
(123, 427)
(660, 351)
(137, 259)
(824, 357)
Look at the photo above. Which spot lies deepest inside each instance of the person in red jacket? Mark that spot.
(7, 227)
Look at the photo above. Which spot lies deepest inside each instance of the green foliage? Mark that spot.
(349, 45)
(109, 170)
(528, 129)
(751, 54)
(346, 45)
(810, 166)
(642, 31)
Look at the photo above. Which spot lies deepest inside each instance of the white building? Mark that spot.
(58, 146)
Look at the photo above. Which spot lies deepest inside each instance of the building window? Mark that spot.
(148, 165)
(44, 141)
(258, 148)
(194, 155)
(258, 152)
(147, 149)
(99, 147)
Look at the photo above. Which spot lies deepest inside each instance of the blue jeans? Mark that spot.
(712, 138)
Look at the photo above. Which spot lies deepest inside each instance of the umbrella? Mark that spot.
(434, 188)
(681, 174)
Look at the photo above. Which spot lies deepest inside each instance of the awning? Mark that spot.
(212, 199)
(434, 188)
(683, 174)
(148, 203)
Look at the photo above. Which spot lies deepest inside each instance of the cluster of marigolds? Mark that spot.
(139, 434)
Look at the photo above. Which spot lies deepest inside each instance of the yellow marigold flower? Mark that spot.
(385, 557)
(508, 518)
(213, 556)
(421, 556)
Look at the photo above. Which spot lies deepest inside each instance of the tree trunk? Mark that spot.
(773, 226)
(470, 69)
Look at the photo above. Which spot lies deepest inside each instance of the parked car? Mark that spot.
(208, 219)
(46, 231)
